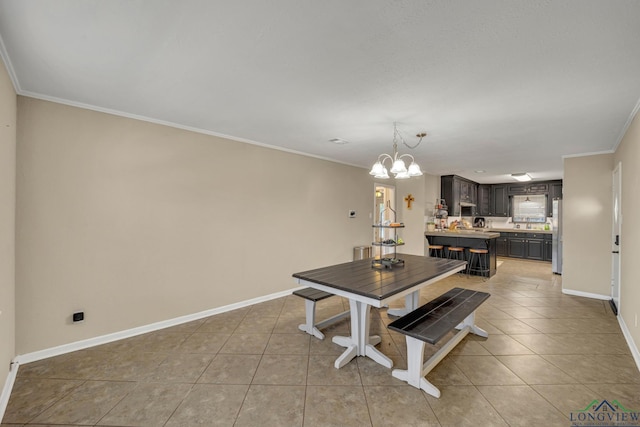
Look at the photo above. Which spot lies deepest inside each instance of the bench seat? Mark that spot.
(311, 297)
(429, 323)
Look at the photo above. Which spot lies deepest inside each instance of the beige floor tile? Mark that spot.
(522, 406)
(399, 406)
(470, 346)
(289, 344)
(31, 396)
(209, 404)
(203, 342)
(586, 369)
(627, 394)
(545, 343)
(221, 325)
(231, 369)
(513, 326)
(180, 368)
(464, 406)
(565, 339)
(245, 344)
(336, 406)
(504, 345)
(533, 369)
(148, 404)
(272, 406)
(447, 373)
(566, 397)
(256, 325)
(282, 370)
(323, 372)
(486, 370)
(130, 366)
(86, 404)
(373, 373)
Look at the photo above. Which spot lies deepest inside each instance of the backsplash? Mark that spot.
(498, 222)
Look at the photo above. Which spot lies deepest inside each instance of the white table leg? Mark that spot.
(360, 343)
(411, 302)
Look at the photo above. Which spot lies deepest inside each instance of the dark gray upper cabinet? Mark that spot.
(455, 189)
(555, 192)
(499, 200)
(529, 188)
(493, 200)
(483, 204)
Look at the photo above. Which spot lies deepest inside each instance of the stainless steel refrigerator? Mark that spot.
(556, 246)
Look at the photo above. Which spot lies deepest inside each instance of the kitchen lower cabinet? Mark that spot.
(502, 246)
(517, 248)
(535, 249)
(534, 246)
(548, 244)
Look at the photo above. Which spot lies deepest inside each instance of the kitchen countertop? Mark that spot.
(480, 233)
(519, 230)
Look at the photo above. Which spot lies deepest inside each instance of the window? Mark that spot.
(529, 208)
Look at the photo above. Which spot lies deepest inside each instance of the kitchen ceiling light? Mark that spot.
(398, 167)
(521, 176)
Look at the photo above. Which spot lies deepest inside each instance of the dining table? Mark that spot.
(366, 286)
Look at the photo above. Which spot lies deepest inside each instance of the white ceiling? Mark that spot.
(501, 86)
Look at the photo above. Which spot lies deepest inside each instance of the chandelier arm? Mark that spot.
(382, 157)
(412, 146)
(408, 155)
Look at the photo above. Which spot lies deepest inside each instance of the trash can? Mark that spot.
(361, 252)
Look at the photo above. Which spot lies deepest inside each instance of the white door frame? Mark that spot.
(616, 243)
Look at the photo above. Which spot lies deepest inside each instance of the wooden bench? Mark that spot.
(454, 309)
(311, 296)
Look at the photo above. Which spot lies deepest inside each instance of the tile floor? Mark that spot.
(547, 354)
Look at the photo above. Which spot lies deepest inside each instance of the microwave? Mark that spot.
(467, 209)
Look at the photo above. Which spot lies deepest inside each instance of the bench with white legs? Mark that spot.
(311, 297)
(429, 323)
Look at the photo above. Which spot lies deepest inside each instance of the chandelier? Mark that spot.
(398, 167)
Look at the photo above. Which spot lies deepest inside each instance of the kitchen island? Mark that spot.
(468, 239)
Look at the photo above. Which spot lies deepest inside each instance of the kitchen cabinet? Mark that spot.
(502, 245)
(530, 188)
(555, 192)
(483, 204)
(493, 200)
(499, 200)
(548, 244)
(526, 245)
(455, 189)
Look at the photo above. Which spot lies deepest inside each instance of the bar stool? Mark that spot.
(455, 252)
(482, 256)
(436, 251)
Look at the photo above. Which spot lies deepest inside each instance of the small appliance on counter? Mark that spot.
(478, 222)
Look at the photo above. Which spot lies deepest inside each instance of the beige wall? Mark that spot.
(136, 223)
(7, 219)
(628, 153)
(587, 216)
(413, 218)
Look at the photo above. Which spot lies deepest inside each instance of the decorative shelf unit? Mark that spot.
(386, 236)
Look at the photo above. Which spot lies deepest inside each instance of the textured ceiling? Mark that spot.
(501, 86)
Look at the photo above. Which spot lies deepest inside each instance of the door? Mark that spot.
(616, 244)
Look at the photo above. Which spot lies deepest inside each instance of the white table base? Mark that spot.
(411, 302)
(360, 343)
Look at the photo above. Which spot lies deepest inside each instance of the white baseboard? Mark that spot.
(8, 386)
(104, 339)
(585, 294)
(632, 345)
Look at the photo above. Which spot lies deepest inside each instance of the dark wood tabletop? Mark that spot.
(359, 277)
